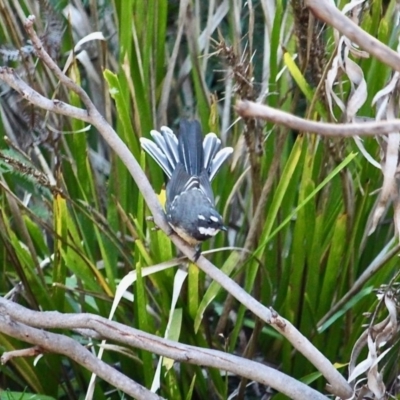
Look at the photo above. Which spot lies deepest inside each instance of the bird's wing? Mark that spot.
(205, 186)
(178, 182)
(181, 182)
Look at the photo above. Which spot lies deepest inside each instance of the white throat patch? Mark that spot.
(208, 231)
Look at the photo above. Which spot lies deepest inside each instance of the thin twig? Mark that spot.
(29, 352)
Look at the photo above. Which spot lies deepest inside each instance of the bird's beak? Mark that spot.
(224, 228)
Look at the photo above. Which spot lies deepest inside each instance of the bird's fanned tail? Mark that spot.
(164, 150)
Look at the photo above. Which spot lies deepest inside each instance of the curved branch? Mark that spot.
(62, 344)
(18, 321)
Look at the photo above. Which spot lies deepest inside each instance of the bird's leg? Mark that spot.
(198, 252)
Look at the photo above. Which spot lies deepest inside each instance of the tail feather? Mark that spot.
(218, 160)
(191, 147)
(168, 143)
(211, 145)
(164, 149)
(158, 155)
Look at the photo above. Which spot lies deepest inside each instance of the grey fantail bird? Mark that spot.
(190, 164)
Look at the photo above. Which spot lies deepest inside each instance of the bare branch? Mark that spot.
(18, 321)
(62, 344)
(255, 110)
(9, 76)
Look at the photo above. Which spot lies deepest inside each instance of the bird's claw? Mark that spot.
(197, 254)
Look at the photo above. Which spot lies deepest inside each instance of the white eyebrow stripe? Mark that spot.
(202, 217)
(215, 219)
